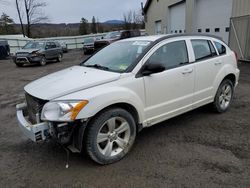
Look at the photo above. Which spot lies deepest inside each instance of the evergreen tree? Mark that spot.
(83, 29)
(6, 25)
(93, 26)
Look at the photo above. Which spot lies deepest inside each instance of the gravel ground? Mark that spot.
(197, 149)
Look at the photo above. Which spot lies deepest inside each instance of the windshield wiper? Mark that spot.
(97, 66)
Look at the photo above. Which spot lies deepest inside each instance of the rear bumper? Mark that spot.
(37, 132)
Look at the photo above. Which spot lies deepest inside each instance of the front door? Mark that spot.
(169, 93)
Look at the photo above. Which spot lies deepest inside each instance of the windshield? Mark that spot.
(89, 40)
(34, 45)
(112, 35)
(118, 56)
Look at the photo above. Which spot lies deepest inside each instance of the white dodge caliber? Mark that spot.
(101, 104)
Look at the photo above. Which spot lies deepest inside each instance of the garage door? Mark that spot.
(213, 17)
(177, 15)
(158, 27)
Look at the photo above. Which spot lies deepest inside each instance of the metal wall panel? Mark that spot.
(240, 36)
(241, 8)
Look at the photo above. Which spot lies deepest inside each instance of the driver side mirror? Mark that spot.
(152, 68)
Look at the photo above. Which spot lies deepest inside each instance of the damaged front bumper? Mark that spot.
(37, 132)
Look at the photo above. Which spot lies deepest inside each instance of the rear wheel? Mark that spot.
(110, 136)
(43, 61)
(224, 96)
(59, 58)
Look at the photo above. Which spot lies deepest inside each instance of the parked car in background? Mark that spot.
(89, 45)
(115, 36)
(4, 49)
(103, 103)
(64, 47)
(38, 52)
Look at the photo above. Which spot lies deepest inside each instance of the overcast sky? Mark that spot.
(71, 11)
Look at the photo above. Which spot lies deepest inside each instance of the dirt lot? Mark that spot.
(197, 149)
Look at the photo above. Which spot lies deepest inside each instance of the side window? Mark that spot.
(202, 49)
(171, 55)
(125, 34)
(48, 45)
(53, 45)
(221, 49)
(214, 53)
(58, 45)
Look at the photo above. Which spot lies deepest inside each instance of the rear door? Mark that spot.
(54, 50)
(169, 93)
(207, 66)
(48, 51)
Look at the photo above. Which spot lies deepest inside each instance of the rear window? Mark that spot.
(202, 49)
(221, 48)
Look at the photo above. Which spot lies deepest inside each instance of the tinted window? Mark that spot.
(221, 49)
(53, 45)
(212, 48)
(171, 55)
(201, 49)
(34, 45)
(125, 34)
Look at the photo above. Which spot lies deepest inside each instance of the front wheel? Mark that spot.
(110, 136)
(224, 96)
(19, 65)
(43, 61)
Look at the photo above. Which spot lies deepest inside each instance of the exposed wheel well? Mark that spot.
(232, 78)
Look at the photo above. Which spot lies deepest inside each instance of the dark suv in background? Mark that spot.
(38, 52)
(115, 36)
(4, 49)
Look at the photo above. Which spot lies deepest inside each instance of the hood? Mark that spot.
(68, 81)
(27, 50)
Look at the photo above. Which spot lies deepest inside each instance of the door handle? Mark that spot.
(187, 71)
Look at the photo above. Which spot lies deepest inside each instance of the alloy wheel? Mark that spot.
(113, 136)
(225, 96)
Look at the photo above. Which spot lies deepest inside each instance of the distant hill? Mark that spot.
(114, 22)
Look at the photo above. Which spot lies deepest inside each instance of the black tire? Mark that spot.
(93, 148)
(43, 61)
(19, 65)
(85, 52)
(59, 58)
(220, 96)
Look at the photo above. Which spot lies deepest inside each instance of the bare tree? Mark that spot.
(128, 19)
(33, 10)
(19, 15)
(133, 20)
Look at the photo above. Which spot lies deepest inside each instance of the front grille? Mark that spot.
(22, 54)
(34, 106)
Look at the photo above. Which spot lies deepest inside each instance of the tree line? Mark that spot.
(32, 18)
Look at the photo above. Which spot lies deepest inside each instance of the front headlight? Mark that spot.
(62, 111)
